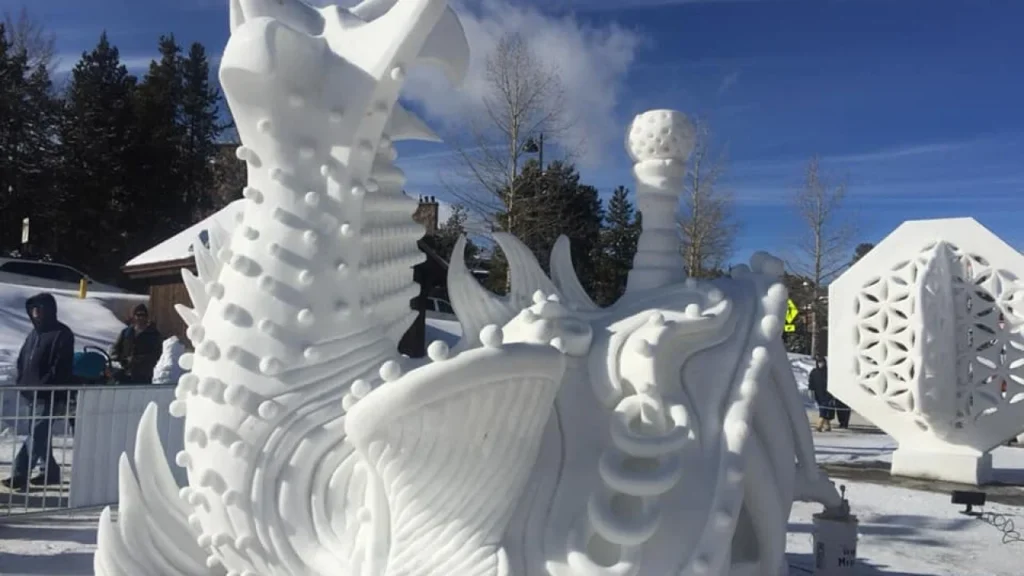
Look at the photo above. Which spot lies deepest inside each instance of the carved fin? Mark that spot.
(527, 275)
(187, 315)
(564, 276)
(474, 306)
(152, 534)
(404, 125)
(196, 291)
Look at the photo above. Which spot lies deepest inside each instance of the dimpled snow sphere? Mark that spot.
(660, 135)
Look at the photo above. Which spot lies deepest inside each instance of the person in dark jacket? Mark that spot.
(818, 383)
(45, 359)
(137, 349)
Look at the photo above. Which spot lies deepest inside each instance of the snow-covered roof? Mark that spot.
(179, 246)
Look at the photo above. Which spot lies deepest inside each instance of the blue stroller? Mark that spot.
(91, 367)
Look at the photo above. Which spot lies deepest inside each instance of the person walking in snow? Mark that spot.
(818, 383)
(45, 359)
(137, 349)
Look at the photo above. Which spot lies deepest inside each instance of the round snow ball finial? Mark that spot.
(692, 311)
(311, 353)
(438, 351)
(270, 366)
(539, 297)
(360, 388)
(492, 336)
(398, 73)
(660, 135)
(657, 319)
(196, 333)
(358, 191)
(268, 410)
(390, 371)
(178, 408)
(305, 317)
(312, 199)
(770, 327)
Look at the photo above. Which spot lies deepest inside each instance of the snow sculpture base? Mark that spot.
(661, 436)
(948, 466)
(927, 344)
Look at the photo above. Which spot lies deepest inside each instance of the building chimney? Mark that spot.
(427, 214)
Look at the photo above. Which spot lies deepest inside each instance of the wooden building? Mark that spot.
(159, 270)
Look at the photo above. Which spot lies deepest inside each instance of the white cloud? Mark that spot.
(591, 61)
(67, 62)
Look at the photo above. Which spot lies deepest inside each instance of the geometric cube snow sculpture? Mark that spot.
(926, 344)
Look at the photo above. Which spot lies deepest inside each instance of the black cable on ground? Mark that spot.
(1004, 524)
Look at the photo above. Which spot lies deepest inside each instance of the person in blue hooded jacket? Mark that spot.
(46, 359)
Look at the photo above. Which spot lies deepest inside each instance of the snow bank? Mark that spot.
(92, 319)
(167, 370)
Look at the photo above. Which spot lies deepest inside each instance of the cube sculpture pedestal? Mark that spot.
(925, 342)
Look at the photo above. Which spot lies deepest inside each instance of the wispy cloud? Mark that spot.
(591, 61)
(940, 148)
(728, 82)
(67, 62)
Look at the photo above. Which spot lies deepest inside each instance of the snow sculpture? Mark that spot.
(925, 343)
(663, 435)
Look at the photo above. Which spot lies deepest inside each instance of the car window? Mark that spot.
(42, 270)
(67, 274)
(28, 269)
(443, 307)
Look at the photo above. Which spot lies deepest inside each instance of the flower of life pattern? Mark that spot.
(990, 346)
(885, 366)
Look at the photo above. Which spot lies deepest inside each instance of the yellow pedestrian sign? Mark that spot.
(791, 313)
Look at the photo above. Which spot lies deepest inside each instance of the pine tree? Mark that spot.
(28, 118)
(551, 203)
(618, 246)
(94, 179)
(200, 129)
(157, 160)
(450, 231)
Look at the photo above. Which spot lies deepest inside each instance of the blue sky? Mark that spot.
(916, 103)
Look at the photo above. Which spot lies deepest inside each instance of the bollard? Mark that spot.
(83, 287)
(835, 541)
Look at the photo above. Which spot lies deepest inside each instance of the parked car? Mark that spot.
(440, 308)
(48, 275)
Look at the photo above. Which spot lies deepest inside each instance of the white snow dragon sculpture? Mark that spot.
(662, 435)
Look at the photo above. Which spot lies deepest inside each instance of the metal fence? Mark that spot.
(60, 445)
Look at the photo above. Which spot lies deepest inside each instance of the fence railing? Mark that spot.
(60, 445)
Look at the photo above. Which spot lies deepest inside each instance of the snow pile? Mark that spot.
(167, 370)
(92, 319)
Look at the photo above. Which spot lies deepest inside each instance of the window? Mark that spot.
(443, 307)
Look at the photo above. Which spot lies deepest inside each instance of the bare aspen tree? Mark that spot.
(824, 247)
(706, 220)
(524, 102)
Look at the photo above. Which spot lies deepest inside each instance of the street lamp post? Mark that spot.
(532, 146)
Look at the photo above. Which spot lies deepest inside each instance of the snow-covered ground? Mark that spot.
(903, 532)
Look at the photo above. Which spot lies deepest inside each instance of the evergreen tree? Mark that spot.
(28, 118)
(550, 203)
(94, 178)
(618, 246)
(200, 131)
(159, 208)
(449, 232)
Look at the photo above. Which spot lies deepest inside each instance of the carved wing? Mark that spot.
(453, 443)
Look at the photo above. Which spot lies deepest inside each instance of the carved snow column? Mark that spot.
(660, 143)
